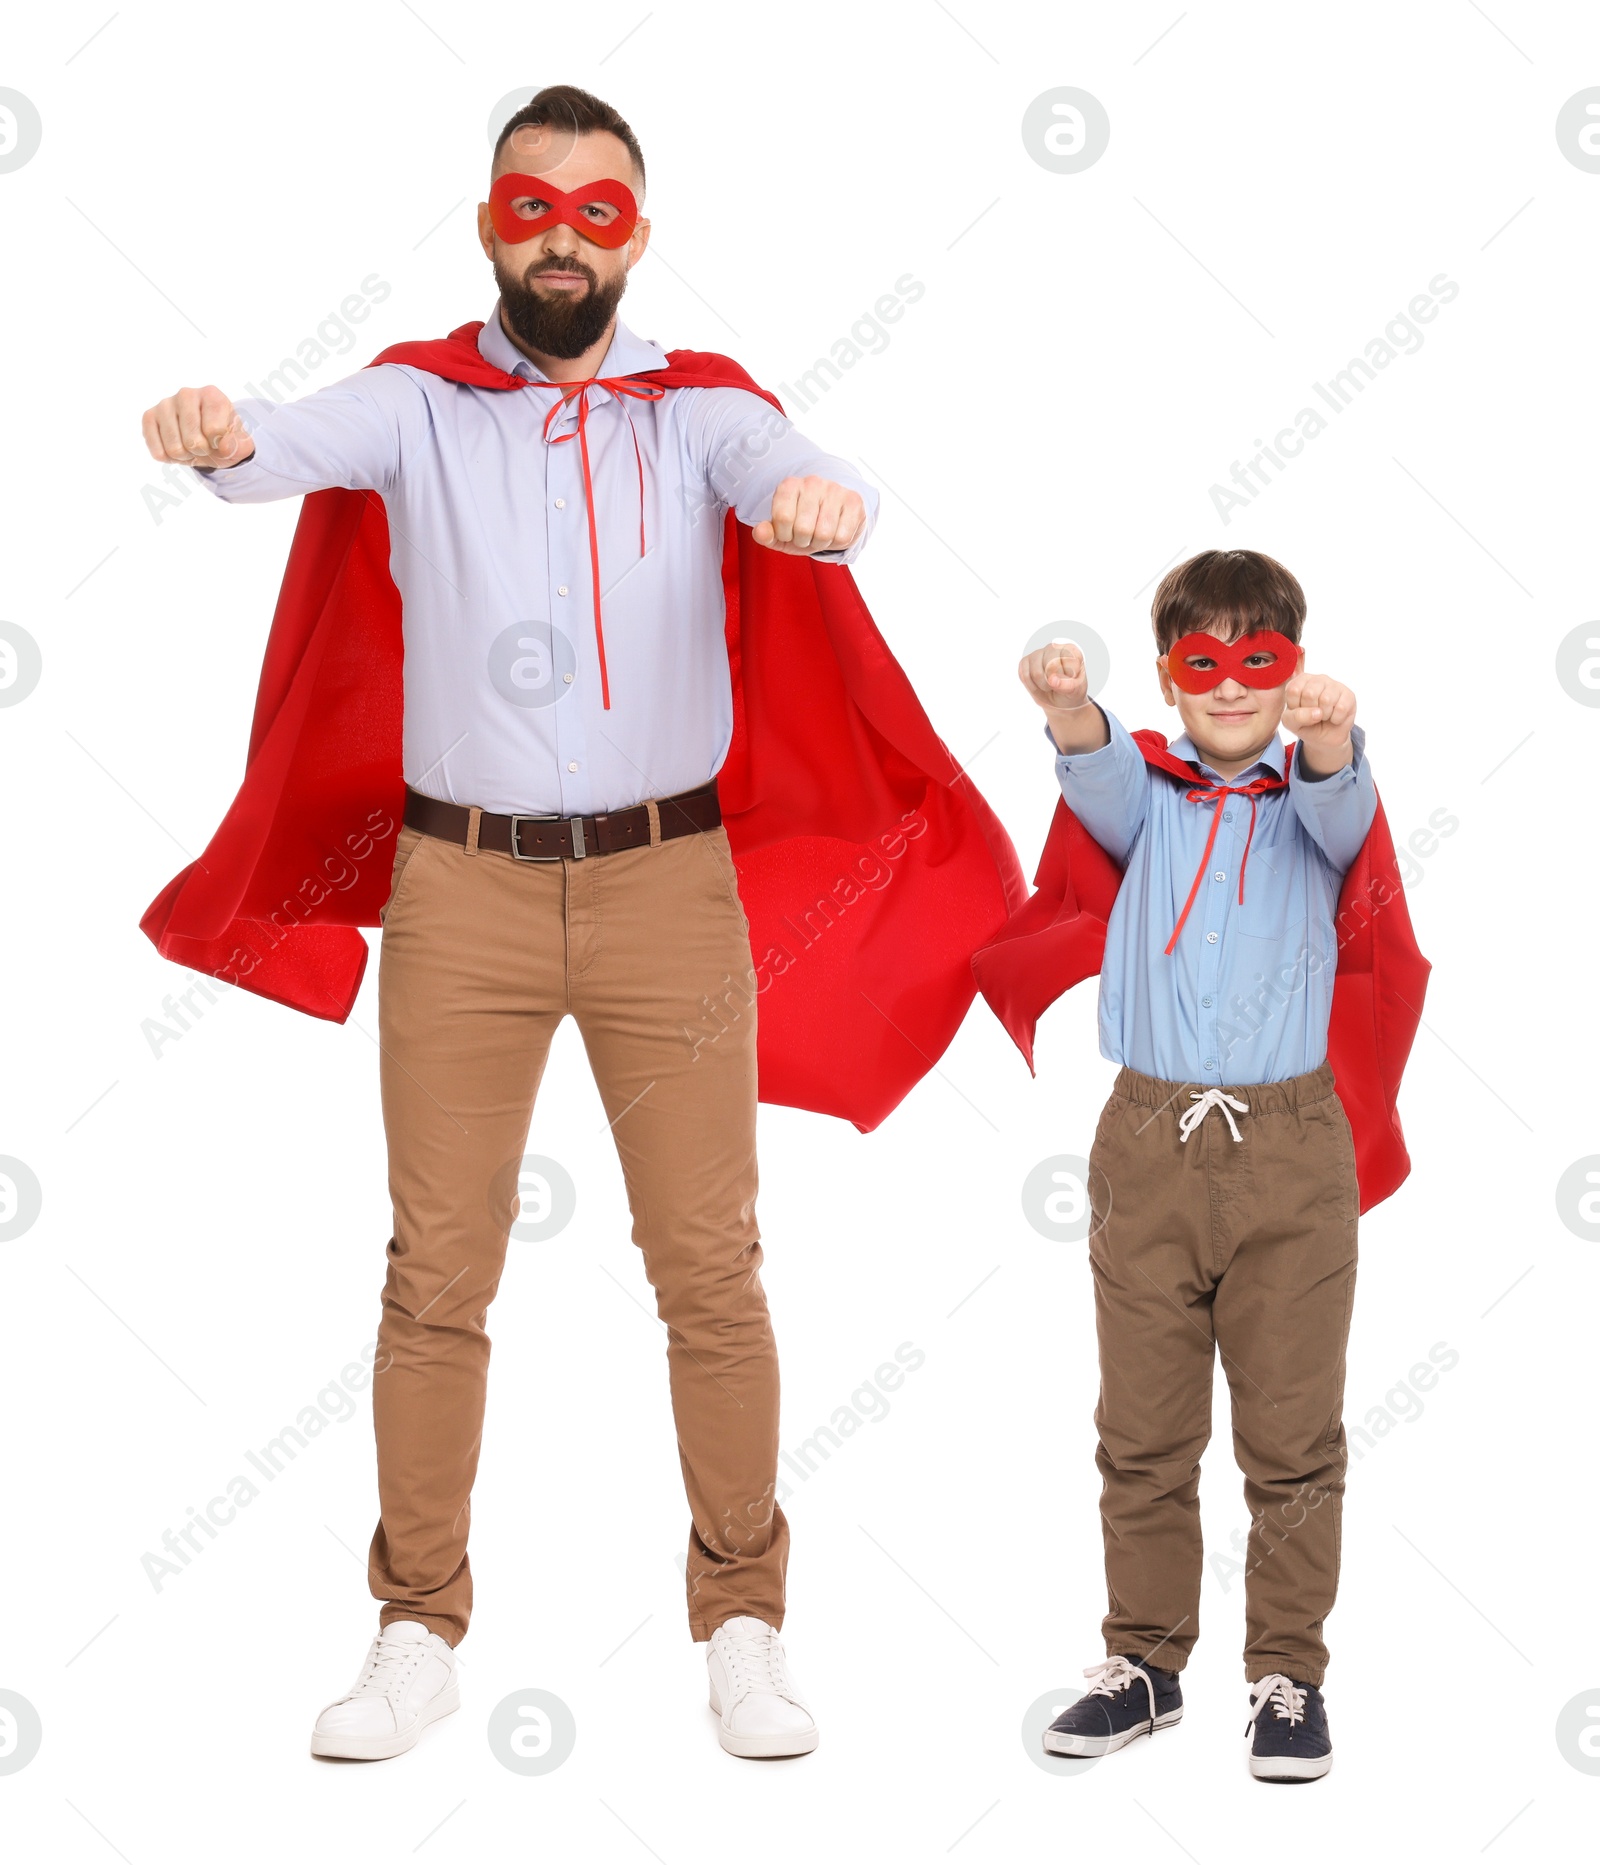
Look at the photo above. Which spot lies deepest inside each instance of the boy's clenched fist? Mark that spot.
(1058, 682)
(1320, 712)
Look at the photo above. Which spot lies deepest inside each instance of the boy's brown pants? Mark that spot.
(482, 957)
(1245, 1248)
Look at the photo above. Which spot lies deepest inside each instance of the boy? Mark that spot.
(1223, 1177)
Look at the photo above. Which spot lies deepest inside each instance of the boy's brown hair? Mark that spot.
(1227, 593)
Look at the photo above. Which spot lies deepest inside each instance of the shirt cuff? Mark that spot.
(254, 413)
(1334, 780)
(1076, 760)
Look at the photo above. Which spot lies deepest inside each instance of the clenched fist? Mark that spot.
(197, 427)
(1320, 712)
(809, 515)
(1058, 682)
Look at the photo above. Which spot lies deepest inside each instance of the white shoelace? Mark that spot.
(1191, 1117)
(755, 1662)
(1287, 1700)
(389, 1664)
(1116, 1675)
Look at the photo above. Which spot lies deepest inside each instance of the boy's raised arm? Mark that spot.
(1330, 780)
(1100, 769)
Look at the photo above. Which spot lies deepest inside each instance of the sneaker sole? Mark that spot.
(764, 1747)
(1086, 1747)
(1288, 1768)
(334, 1747)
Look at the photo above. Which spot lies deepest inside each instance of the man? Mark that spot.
(567, 710)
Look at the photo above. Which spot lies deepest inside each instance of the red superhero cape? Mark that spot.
(1058, 937)
(869, 866)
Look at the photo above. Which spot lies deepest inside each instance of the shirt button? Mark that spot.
(1219, 875)
(1205, 1003)
(1227, 814)
(1211, 938)
(1211, 1062)
(567, 678)
(573, 765)
(561, 589)
(561, 505)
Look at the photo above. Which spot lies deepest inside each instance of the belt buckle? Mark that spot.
(516, 839)
(578, 849)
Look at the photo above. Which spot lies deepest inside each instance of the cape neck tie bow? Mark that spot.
(1217, 795)
(622, 387)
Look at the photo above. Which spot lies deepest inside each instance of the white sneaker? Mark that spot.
(407, 1682)
(762, 1712)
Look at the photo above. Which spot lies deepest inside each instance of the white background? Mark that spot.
(1091, 354)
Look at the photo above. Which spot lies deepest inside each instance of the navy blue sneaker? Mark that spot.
(1124, 1700)
(1288, 1730)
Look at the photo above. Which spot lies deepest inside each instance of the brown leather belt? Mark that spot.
(552, 838)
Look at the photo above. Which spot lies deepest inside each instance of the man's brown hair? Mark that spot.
(1227, 593)
(565, 107)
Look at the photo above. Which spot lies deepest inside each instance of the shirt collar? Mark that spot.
(628, 355)
(1270, 761)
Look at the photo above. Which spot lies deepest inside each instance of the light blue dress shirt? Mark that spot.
(1245, 995)
(489, 547)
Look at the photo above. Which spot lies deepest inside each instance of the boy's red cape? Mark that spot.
(869, 865)
(1058, 937)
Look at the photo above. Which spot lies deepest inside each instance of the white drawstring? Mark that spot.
(1191, 1117)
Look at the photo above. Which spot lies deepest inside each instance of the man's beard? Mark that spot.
(559, 323)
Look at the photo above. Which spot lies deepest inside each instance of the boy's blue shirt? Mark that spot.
(1246, 994)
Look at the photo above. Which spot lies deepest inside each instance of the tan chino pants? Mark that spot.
(482, 957)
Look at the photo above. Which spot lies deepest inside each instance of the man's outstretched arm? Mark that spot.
(347, 434)
(797, 499)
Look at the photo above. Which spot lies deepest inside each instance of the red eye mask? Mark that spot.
(604, 211)
(1228, 661)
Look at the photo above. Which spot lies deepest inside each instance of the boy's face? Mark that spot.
(1232, 723)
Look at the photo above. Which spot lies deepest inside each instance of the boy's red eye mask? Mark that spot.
(604, 211)
(1242, 660)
